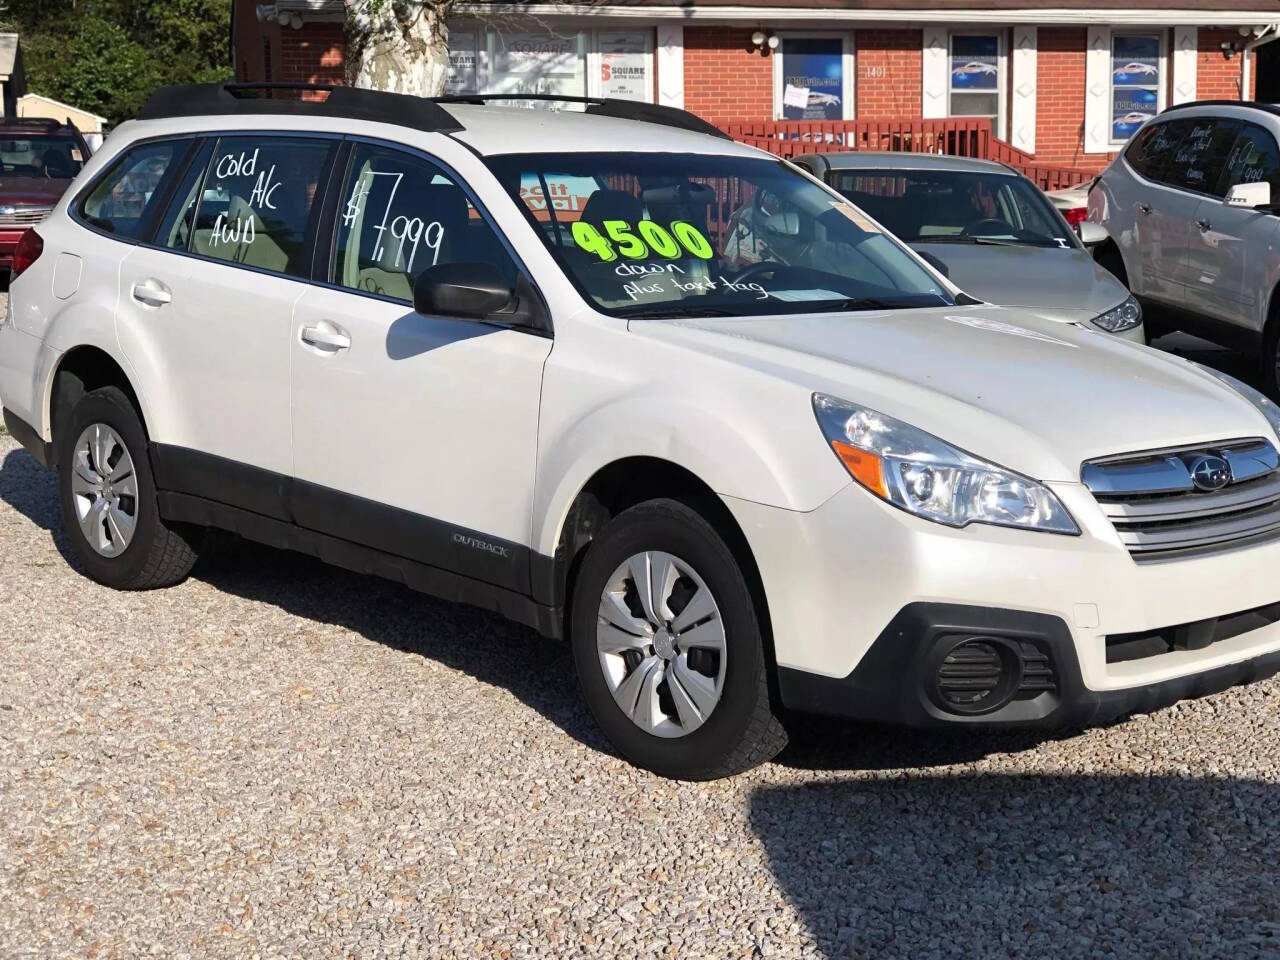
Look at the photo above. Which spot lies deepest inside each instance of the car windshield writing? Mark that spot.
(694, 235)
(946, 206)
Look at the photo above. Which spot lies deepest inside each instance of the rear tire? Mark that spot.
(108, 495)
(692, 652)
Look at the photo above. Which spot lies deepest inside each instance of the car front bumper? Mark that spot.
(9, 237)
(865, 600)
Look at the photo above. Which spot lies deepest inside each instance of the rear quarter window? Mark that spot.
(122, 199)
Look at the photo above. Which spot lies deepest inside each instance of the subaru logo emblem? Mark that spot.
(1210, 472)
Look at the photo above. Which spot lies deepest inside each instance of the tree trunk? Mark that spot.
(401, 46)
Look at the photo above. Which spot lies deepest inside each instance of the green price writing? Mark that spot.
(649, 238)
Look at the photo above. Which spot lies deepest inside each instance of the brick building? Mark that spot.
(1066, 84)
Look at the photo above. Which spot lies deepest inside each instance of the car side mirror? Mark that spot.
(1091, 234)
(935, 262)
(1248, 195)
(471, 290)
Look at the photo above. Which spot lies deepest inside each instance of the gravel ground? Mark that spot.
(278, 759)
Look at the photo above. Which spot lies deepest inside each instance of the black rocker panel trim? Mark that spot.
(183, 508)
(355, 520)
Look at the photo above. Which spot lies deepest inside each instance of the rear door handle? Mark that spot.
(152, 292)
(326, 337)
(1204, 225)
(1144, 207)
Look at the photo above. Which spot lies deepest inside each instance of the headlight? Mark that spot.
(1119, 319)
(923, 475)
(1264, 404)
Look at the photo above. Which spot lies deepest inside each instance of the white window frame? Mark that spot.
(848, 65)
(1162, 79)
(1001, 119)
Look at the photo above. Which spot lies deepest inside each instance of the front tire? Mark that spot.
(668, 647)
(108, 495)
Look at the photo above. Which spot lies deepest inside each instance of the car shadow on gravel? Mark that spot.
(537, 671)
(33, 491)
(997, 866)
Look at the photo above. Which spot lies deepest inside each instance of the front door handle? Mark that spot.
(1204, 225)
(152, 292)
(326, 337)
(1144, 207)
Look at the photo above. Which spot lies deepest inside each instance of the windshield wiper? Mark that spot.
(672, 313)
(870, 303)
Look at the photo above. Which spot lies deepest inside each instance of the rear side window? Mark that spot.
(255, 202)
(1253, 159)
(1198, 161)
(399, 214)
(1155, 146)
(121, 201)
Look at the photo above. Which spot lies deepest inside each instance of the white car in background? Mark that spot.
(1188, 206)
(989, 228)
(744, 449)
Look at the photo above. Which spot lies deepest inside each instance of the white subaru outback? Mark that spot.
(536, 362)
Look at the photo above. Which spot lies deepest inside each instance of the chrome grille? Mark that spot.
(1160, 514)
(22, 216)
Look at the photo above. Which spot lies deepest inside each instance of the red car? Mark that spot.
(38, 160)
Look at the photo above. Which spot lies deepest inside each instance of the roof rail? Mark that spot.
(606, 107)
(1254, 104)
(222, 99)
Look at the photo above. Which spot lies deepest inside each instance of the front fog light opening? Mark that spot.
(976, 675)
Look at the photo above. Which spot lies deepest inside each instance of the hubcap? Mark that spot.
(661, 644)
(104, 489)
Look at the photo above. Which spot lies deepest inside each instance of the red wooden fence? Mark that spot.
(955, 136)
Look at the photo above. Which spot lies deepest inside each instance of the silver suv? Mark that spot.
(1188, 207)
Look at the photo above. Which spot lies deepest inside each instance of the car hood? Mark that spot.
(1031, 394)
(1063, 284)
(31, 191)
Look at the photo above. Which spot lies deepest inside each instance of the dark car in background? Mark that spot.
(38, 160)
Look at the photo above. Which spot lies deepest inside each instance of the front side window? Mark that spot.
(974, 89)
(1135, 83)
(1197, 163)
(689, 234)
(946, 206)
(399, 214)
(120, 201)
(1253, 159)
(256, 199)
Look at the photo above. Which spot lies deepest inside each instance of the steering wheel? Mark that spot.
(757, 269)
(986, 225)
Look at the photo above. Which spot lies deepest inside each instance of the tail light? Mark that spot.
(1076, 215)
(27, 252)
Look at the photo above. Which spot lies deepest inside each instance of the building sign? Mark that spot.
(461, 77)
(1135, 83)
(624, 66)
(975, 62)
(812, 78)
(538, 63)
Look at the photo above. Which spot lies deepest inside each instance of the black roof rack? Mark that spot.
(1254, 104)
(222, 99)
(420, 113)
(606, 107)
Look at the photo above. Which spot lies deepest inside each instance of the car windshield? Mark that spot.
(665, 234)
(951, 206)
(54, 156)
